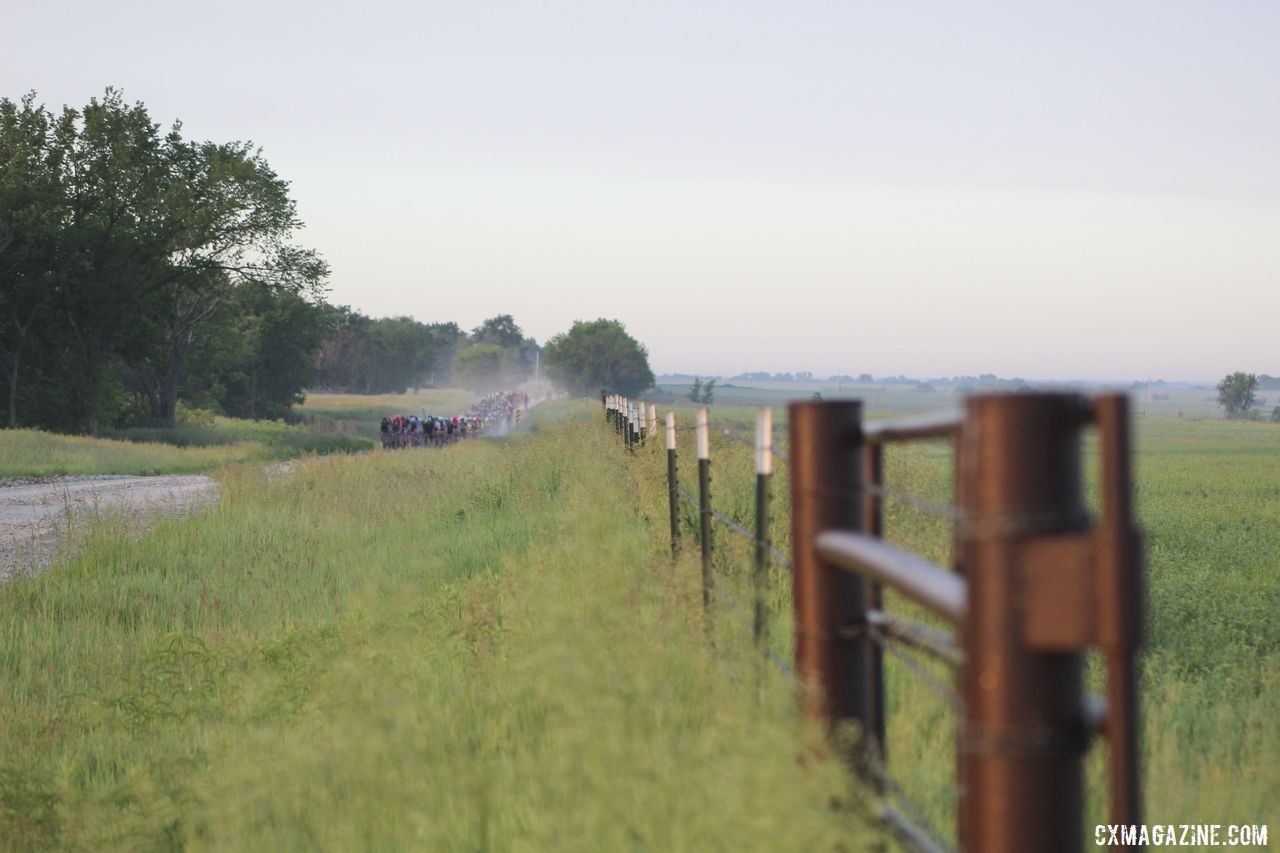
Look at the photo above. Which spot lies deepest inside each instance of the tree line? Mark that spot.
(140, 267)
(364, 355)
(141, 271)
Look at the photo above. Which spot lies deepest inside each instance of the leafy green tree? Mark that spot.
(228, 218)
(480, 367)
(709, 392)
(125, 241)
(276, 335)
(501, 331)
(598, 354)
(32, 208)
(111, 245)
(695, 390)
(1236, 393)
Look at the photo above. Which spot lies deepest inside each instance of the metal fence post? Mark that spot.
(764, 474)
(832, 650)
(1023, 736)
(873, 525)
(704, 504)
(673, 483)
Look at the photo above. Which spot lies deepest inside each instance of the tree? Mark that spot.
(125, 242)
(695, 390)
(1236, 393)
(479, 367)
(501, 331)
(598, 354)
(227, 217)
(31, 208)
(709, 392)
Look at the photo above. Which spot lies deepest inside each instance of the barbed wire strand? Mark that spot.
(778, 557)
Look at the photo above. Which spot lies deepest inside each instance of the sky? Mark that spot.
(1085, 190)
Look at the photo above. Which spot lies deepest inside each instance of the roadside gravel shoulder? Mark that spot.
(37, 513)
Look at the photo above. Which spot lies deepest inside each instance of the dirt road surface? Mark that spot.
(35, 515)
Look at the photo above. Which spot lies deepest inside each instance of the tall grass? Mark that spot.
(28, 452)
(490, 647)
(486, 647)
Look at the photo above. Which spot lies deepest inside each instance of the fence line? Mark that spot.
(1034, 586)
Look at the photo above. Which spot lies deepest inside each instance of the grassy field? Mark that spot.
(332, 423)
(481, 648)
(488, 647)
(28, 452)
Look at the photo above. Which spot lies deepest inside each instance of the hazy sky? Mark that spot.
(1047, 189)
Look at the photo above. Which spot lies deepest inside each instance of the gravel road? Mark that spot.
(35, 514)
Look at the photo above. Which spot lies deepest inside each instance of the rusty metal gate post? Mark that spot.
(1022, 743)
(833, 655)
(673, 484)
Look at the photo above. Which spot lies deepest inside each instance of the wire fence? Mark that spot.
(1053, 585)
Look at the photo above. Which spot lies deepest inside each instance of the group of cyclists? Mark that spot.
(494, 414)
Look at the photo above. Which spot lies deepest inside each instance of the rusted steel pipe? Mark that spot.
(910, 429)
(941, 591)
(1022, 742)
(833, 655)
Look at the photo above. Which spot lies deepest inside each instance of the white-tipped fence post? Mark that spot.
(672, 483)
(704, 503)
(653, 418)
(764, 473)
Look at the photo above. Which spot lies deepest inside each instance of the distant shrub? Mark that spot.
(192, 416)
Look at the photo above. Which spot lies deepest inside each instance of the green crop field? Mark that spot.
(489, 647)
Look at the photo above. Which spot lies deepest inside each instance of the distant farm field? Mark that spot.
(489, 647)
